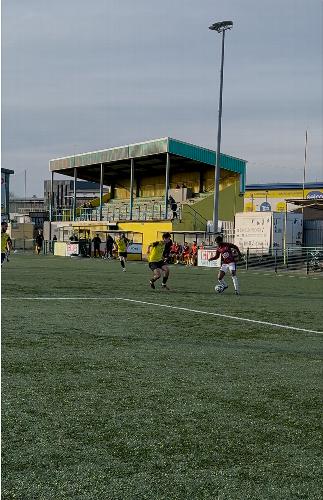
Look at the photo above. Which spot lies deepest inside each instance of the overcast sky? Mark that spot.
(81, 75)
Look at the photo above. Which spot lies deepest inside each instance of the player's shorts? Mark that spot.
(3, 257)
(123, 254)
(228, 267)
(156, 265)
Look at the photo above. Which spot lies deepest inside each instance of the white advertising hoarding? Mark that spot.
(262, 231)
(253, 230)
(203, 257)
(72, 249)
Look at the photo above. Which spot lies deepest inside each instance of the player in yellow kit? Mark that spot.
(156, 260)
(6, 244)
(122, 243)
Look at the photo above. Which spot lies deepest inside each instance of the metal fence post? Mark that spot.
(275, 254)
(247, 259)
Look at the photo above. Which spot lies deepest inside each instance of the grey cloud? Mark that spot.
(107, 73)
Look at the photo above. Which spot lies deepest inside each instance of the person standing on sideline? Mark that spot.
(96, 245)
(6, 243)
(109, 247)
(225, 251)
(156, 261)
(122, 243)
(39, 242)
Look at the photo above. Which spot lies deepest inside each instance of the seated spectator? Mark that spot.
(173, 252)
(177, 253)
(194, 254)
(186, 254)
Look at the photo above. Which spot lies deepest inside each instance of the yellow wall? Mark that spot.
(60, 248)
(149, 230)
(154, 185)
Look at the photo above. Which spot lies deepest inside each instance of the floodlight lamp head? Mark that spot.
(221, 26)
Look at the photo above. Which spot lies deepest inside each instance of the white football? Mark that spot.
(219, 288)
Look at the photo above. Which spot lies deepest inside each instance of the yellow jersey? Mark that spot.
(122, 244)
(4, 242)
(156, 253)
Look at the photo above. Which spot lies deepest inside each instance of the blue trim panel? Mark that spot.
(292, 185)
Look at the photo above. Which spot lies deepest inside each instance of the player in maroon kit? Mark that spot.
(225, 251)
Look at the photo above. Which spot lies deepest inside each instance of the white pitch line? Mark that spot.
(178, 308)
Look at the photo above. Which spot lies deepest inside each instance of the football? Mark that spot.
(219, 288)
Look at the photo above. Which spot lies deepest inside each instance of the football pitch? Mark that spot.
(111, 390)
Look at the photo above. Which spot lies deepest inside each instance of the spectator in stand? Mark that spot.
(96, 244)
(173, 206)
(194, 254)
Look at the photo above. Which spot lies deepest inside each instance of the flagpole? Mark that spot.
(305, 161)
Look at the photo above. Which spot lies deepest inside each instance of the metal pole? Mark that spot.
(101, 190)
(167, 184)
(305, 161)
(74, 194)
(218, 149)
(285, 238)
(132, 169)
(51, 200)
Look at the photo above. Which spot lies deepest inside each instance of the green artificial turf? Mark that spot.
(105, 399)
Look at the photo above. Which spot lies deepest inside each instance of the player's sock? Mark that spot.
(223, 283)
(165, 278)
(236, 284)
(122, 264)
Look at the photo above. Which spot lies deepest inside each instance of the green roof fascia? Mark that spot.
(208, 156)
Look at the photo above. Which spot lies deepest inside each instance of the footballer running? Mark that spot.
(121, 244)
(156, 261)
(226, 252)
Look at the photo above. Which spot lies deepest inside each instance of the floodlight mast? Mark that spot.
(220, 27)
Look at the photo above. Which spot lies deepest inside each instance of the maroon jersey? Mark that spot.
(225, 251)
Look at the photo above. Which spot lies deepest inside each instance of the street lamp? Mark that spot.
(220, 27)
